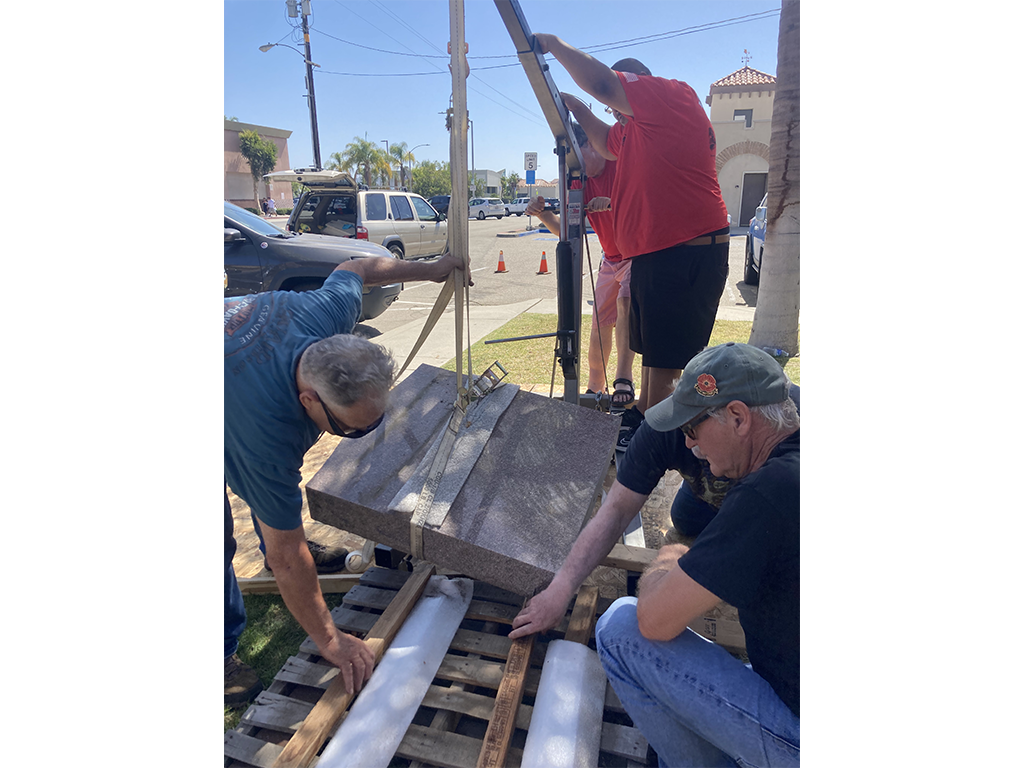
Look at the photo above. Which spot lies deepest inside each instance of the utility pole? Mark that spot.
(309, 86)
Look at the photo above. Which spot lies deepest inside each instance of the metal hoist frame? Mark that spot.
(571, 168)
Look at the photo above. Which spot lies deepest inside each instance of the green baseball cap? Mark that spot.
(716, 377)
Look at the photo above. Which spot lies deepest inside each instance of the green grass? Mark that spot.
(271, 635)
(529, 362)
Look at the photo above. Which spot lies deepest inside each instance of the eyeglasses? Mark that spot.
(689, 427)
(345, 431)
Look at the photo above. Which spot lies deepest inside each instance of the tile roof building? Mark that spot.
(741, 115)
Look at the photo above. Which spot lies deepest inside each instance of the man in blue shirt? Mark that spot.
(292, 370)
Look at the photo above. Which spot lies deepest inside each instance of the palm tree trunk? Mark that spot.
(777, 317)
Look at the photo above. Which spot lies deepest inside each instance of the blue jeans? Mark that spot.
(234, 607)
(695, 704)
(690, 514)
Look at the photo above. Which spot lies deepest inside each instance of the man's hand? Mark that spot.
(544, 41)
(535, 206)
(444, 266)
(573, 104)
(598, 204)
(352, 657)
(543, 612)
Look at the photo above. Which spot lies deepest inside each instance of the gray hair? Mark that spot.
(780, 417)
(345, 369)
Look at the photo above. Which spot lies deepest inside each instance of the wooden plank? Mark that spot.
(510, 695)
(584, 616)
(473, 704)
(486, 674)
(446, 749)
(303, 746)
(630, 558)
(330, 584)
(302, 672)
(272, 710)
(250, 750)
(624, 741)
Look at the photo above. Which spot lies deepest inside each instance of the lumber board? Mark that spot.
(330, 584)
(272, 710)
(250, 750)
(506, 704)
(584, 616)
(447, 749)
(298, 671)
(629, 558)
(624, 741)
(324, 717)
(486, 674)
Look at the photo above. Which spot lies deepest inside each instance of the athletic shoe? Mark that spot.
(631, 421)
(327, 559)
(241, 683)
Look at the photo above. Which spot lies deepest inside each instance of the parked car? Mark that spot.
(260, 257)
(482, 207)
(755, 244)
(332, 204)
(518, 206)
(440, 202)
(552, 204)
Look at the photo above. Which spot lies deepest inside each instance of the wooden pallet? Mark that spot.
(452, 722)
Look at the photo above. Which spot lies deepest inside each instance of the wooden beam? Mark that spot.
(584, 616)
(314, 731)
(506, 705)
(630, 558)
(330, 584)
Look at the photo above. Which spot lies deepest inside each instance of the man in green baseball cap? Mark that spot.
(731, 407)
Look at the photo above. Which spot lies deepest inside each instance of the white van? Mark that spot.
(403, 222)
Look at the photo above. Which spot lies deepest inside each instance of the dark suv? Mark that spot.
(260, 257)
(440, 202)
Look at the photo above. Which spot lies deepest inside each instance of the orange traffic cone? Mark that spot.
(501, 262)
(543, 263)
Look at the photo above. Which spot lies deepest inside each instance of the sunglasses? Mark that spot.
(689, 427)
(344, 431)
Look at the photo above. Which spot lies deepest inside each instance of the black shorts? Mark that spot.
(674, 295)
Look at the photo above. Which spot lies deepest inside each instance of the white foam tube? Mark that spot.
(565, 730)
(383, 710)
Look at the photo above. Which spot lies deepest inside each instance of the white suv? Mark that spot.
(403, 222)
(518, 206)
(482, 207)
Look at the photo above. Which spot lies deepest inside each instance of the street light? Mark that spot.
(315, 132)
(401, 165)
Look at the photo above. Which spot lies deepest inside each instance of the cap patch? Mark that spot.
(706, 385)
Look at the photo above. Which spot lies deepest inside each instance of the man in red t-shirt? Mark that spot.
(667, 208)
(611, 289)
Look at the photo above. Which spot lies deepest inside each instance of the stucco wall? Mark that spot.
(730, 179)
(238, 178)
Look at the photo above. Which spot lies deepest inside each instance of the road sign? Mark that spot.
(530, 161)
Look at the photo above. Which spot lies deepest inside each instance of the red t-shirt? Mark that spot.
(604, 227)
(666, 189)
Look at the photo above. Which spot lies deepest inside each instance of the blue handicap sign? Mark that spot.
(531, 177)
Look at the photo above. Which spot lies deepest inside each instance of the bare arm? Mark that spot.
(381, 270)
(591, 75)
(547, 218)
(296, 577)
(668, 598)
(595, 541)
(595, 128)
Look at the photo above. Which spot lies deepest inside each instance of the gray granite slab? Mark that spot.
(522, 505)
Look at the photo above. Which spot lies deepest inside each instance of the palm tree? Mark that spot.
(406, 160)
(361, 154)
(336, 162)
(777, 317)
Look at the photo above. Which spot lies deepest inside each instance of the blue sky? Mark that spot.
(268, 88)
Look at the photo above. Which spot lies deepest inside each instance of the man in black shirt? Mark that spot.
(695, 703)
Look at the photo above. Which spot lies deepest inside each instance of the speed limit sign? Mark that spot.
(530, 161)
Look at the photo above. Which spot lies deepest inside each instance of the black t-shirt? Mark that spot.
(749, 555)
